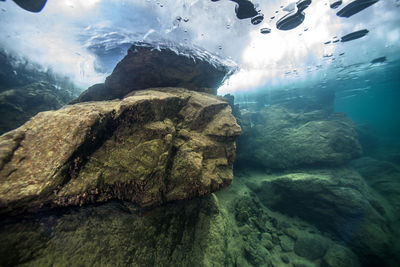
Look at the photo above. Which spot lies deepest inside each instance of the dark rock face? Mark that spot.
(152, 147)
(339, 256)
(382, 176)
(280, 137)
(18, 105)
(113, 234)
(311, 246)
(148, 66)
(337, 201)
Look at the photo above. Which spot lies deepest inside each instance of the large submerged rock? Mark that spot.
(282, 137)
(161, 65)
(337, 201)
(152, 147)
(192, 233)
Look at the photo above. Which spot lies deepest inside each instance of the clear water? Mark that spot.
(74, 44)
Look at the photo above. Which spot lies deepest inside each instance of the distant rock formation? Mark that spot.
(293, 134)
(152, 147)
(19, 104)
(27, 88)
(161, 65)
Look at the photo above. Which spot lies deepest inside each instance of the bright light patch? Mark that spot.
(267, 57)
(76, 37)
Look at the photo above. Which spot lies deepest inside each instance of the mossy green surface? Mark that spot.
(184, 234)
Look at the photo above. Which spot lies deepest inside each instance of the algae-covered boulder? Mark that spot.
(280, 137)
(337, 201)
(311, 246)
(161, 65)
(152, 147)
(339, 256)
(193, 233)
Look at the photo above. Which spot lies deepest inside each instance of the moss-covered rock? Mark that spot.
(193, 233)
(152, 147)
(339, 256)
(337, 201)
(278, 137)
(311, 246)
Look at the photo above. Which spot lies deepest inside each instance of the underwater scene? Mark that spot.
(200, 133)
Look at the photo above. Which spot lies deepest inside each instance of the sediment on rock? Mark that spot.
(152, 147)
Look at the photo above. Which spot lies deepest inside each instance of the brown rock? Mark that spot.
(162, 65)
(152, 147)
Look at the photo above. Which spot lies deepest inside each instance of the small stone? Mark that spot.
(242, 216)
(268, 244)
(245, 230)
(285, 258)
(266, 241)
(290, 232)
(339, 256)
(266, 236)
(311, 246)
(302, 264)
(275, 239)
(286, 243)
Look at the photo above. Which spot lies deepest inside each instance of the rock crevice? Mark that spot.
(152, 147)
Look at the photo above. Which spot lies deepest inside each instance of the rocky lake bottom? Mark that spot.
(160, 171)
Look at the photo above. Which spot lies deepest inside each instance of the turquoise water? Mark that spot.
(377, 101)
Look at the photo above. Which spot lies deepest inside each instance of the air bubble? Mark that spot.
(265, 30)
(257, 19)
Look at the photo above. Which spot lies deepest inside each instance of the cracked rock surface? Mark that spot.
(152, 147)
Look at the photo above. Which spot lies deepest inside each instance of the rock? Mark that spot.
(382, 176)
(311, 246)
(266, 241)
(339, 256)
(255, 254)
(267, 244)
(285, 258)
(192, 233)
(367, 138)
(246, 208)
(161, 65)
(150, 148)
(18, 105)
(281, 138)
(291, 233)
(300, 263)
(275, 239)
(337, 201)
(373, 170)
(286, 243)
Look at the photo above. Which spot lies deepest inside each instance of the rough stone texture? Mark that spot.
(337, 201)
(193, 233)
(383, 176)
(19, 104)
(339, 256)
(282, 137)
(311, 246)
(150, 148)
(286, 243)
(162, 65)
